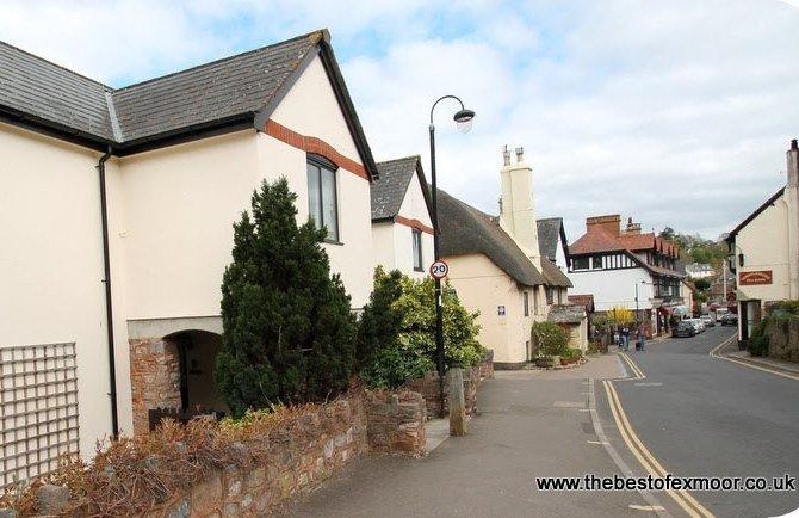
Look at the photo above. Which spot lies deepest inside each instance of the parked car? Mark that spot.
(698, 325)
(707, 320)
(730, 319)
(684, 329)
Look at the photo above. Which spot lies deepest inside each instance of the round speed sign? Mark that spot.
(439, 270)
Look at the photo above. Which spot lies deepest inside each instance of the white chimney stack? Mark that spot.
(517, 215)
(792, 202)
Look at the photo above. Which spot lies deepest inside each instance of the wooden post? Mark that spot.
(457, 404)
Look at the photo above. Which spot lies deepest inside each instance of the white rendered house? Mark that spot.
(402, 229)
(118, 220)
(764, 252)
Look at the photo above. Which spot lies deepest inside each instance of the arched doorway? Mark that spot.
(196, 351)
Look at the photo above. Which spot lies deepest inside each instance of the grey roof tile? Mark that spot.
(389, 190)
(39, 89)
(549, 237)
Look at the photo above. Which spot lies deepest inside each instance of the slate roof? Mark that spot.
(213, 91)
(37, 90)
(771, 201)
(549, 234)
(466, 230)
(567, 313)
(388, 191)
(241, 89)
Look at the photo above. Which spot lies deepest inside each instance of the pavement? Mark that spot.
(685, 410)
(532, 423)
(702, 416)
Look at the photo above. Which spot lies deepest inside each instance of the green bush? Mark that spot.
(404, 347)
(289, 333)
(550, 339)
(789, 307)
(758, 342)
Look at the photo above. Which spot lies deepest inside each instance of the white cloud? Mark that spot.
(675, 113)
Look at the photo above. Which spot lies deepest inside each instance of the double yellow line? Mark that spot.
(643, 455)
(639, 375)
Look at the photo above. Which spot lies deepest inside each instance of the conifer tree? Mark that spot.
(289, 334)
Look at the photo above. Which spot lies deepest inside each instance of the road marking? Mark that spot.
(646, 507)
(597, 442)
(623, 467)
(645, 458)
(638, 374)
(568, 404)
(647, 384)
(714, 353)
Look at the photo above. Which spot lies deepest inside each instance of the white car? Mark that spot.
(699, 326)
(707, 320)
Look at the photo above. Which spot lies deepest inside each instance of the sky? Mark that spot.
(675, 113)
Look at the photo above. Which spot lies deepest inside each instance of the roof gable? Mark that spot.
(550, 234)
(771, 201)
(390, 189)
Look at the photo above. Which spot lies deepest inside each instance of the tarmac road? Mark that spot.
(703, 416)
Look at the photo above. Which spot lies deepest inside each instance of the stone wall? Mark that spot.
(303, 454)
(154, 378)
(396, 421)
(428, 386)
(267, 472)
(783, 338)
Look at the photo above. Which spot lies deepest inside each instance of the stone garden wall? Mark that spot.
(204, 470)
(783, 339)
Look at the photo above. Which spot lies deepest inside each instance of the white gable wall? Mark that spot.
(413, 207)
(764, 243)
(310, 108)
(483, 286)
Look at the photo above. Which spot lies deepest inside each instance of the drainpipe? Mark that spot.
(109, 320)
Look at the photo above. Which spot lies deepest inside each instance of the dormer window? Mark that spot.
(322, 203)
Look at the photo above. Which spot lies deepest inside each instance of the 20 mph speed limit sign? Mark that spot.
(439, 270)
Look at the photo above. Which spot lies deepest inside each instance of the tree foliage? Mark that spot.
(620, 315)
(289, 333)
(550, 339)
(397, 333)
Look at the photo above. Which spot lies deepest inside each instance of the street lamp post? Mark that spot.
(463, 118)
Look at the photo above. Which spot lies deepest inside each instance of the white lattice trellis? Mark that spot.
(38, 409)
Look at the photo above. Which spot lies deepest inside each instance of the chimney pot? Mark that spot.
(795, 144)
(505, 156)
(519, 154)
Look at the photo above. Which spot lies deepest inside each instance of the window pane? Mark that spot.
(329, 215)
(314, 200)
(417, 249)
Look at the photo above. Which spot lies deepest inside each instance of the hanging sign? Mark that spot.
(756, 277)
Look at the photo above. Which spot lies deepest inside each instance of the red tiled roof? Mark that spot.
(600, 240)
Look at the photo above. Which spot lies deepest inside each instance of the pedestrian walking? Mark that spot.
(624, 345)
(641, 344)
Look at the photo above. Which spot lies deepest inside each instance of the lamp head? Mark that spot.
(464, 120)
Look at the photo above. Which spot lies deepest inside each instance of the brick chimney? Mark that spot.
(517, 216)
(632, 227)
(610, 224)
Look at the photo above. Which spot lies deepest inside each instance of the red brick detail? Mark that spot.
(154, 378)
(413, 223)
(313, 145)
